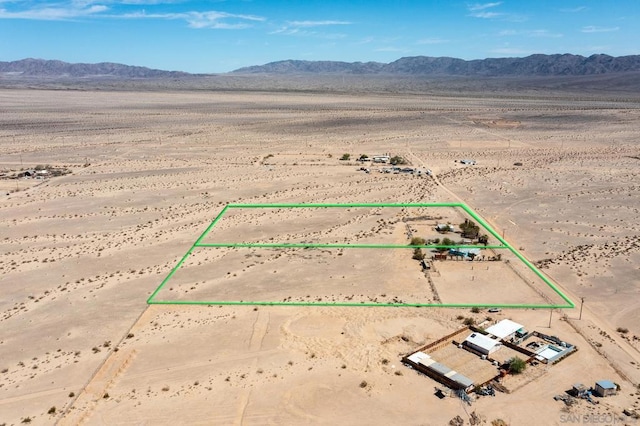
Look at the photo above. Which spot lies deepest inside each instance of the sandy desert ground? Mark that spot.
(81, 254)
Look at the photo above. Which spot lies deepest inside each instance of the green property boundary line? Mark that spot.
(505, 245)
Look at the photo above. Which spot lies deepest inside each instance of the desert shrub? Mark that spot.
(622, 330)
(418, 254)
(345, 157)
(364, 384)
(475, 310)
(448, 242)
(517, 365)
(469, 321)
(396, 159)
(52, 410)
(417, 241)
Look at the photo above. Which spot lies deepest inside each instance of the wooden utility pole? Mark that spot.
(581, 303)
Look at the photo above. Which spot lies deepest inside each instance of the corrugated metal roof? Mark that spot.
(439, 368)
(482, 341)
(426, 361)
(606, 384)
(451, 373)
(462, 380)
(504, 328)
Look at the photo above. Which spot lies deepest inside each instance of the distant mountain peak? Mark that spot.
(533, 65)
(31, 67)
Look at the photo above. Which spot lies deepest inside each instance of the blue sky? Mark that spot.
(219, 36)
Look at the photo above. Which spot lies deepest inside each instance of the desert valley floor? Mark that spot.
(150, 170)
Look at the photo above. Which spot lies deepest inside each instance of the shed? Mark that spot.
(506, 329)
(445, 227)
(579, 390)
(483, 344)
(605, 388)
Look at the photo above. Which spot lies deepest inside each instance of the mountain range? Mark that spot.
(50, 68)
(534, 65)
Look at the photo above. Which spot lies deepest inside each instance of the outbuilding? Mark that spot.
(605, 388)
(507, 329)
(481, 343)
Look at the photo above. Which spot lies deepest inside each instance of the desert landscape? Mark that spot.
(147, 169)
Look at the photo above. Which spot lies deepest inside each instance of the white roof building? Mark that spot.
(483, 344)
(504, 329)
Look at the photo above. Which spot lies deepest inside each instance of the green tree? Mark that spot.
(345, 157)
(483, 239)
(469, 229)
(363, 157)
(446, 242)
(517, 365)
(396, 159)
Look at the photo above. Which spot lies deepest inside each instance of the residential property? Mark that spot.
(439, 372)
(452, 364)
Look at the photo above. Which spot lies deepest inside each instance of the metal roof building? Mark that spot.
(605, 388)
(481, 343)
(505, 329)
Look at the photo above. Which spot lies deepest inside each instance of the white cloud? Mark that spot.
(530, 33)
(301, 28)
(365, 40)
(433, 40)
(479, 10)
(75, 9)
(594, 29)
(54, 13)
(307, 24)
(543, 34)
(479, 6)
(486, 15)
(574, 10)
